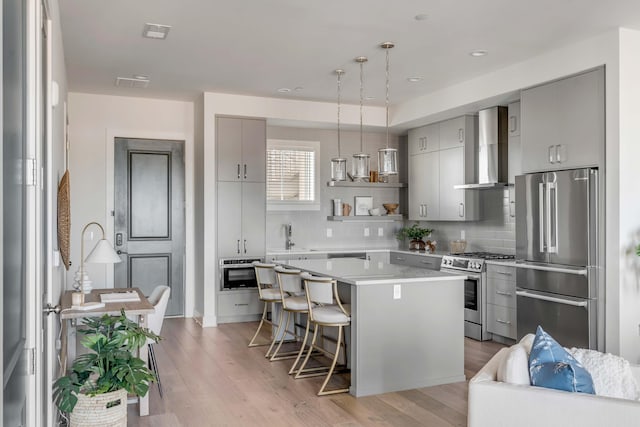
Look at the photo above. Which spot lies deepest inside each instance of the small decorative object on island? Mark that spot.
(416, 234)
(94, 393)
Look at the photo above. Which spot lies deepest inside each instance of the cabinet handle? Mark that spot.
(504, 273)
(461, 210)
(560, 153)
(238, 170)
(461, 135)
(512, 209)
(512, 124)
(504, 322)
(238, 246)
(506, 294)
(245, 171)
(245, 246)
(240, 305)
(552, 154)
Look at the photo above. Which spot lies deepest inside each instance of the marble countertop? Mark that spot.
(362, 272)
(306, 251)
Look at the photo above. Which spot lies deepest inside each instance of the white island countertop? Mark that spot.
(363, 272)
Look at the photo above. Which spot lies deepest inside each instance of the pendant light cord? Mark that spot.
(361, 100)
(387, 99)
(339, 72)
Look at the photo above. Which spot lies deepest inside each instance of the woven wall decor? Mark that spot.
(64, 219)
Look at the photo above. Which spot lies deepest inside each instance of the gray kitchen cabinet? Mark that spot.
(238, 306)
(501, 300)
(515, 154)
(432, 262)
(241, 219)
(563, 123)
(424, 139)
(453, 132)
(455, 205)
(424, 203)
(299, 256)
(433, 174)
(241, 149)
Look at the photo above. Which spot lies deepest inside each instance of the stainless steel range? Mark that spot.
(475, 289)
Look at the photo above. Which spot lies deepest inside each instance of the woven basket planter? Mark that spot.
(102, 410)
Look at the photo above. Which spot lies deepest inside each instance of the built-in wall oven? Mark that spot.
(475, 289)
(238, 273)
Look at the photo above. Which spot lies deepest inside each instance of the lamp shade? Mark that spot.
(361, 165)
(388, 161)
(338, 169)
(103, 253)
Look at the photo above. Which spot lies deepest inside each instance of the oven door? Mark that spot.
(238, 277)
(472, 296)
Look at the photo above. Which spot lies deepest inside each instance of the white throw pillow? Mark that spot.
(514, 367)
(611, 374)
(527, 342)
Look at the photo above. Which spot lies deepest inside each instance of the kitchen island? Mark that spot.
(407, 323)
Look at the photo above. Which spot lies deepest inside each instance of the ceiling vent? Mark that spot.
(156, 31)
(132, 83)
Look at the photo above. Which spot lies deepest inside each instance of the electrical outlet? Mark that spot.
(462, 234)
(380, 231)
(329, 232)
(397, 291)
(366, 232)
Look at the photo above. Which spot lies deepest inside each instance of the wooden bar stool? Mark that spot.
(325, 310)
(269, 294)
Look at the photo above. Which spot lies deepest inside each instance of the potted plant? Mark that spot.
(416, 234)
(95, 391)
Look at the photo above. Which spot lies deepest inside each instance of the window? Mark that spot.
(292, 175)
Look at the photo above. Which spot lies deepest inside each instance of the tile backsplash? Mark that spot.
(494, 232)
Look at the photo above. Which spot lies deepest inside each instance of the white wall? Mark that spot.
(95, 120)
(198, 203)
(628, 211)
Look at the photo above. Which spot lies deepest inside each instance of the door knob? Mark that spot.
(48, 309)
(119, 252)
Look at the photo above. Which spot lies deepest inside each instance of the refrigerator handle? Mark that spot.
(552, 218)
(541, 215)
(526, 294)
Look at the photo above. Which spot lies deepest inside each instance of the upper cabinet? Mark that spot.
(435, 170)
(563, 123)
(241, 145)
(424, 139)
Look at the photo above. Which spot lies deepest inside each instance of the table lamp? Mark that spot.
(102, 253)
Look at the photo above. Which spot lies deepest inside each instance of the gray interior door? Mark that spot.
(149, 217)
(14, 213)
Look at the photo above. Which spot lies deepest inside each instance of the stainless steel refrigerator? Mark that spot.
(557, 255)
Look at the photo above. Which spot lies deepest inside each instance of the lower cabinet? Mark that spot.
(382, 256)
(432, 262)
(239, 306)
(501, 300)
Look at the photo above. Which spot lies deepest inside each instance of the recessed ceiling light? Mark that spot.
(155, 31)
(298, 88)
(140, 77)
(414, 79)
(284, 90)
(421, 17)
(478, 53)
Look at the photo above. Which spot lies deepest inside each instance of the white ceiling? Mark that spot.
(254, 47)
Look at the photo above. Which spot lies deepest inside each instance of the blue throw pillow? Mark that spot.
(551, 366)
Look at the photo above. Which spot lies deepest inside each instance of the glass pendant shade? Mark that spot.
(388, 161)
(361, 165)
(338, 169)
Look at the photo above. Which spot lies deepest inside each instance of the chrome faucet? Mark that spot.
(288, 231)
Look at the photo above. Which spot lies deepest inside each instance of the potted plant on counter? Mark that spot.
(415, 233)
(94, 393)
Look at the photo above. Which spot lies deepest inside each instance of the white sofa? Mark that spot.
(495, 404)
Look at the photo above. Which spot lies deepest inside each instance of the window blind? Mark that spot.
(291, 174)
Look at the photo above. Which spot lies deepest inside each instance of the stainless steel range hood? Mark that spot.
(493, 149)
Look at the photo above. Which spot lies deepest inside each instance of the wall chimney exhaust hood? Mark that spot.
(493, 149)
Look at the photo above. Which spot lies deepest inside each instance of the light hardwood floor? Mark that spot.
(211, 378)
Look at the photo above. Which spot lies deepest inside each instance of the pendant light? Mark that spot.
(387, 157)
(361, 159)
(339, 164)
